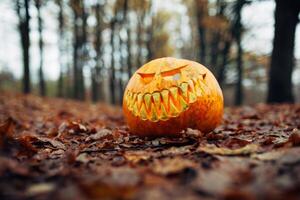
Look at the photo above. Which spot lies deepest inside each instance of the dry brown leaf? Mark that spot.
(212, 149)
(136, 156)
(171, 165)
(103, 133)
(40, 188)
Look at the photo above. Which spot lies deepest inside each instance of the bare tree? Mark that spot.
(22, 9)
(122, 44)
(42, 84)
(61, 30)
(224, 60)
(79, 47)
(118, 18)
(128, 45)
(216, 37)
(201, 10)
(98, 69)
(237, 34)
(282, 59)
(112, 63)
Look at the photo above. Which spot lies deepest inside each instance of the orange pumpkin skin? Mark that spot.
(168, 95)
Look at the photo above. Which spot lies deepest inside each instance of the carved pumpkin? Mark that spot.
(168, 95)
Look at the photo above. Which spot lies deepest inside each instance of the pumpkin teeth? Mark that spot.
(134, 97)
(139, 100)
(173, 111)
(143, 112)
(191, 86)
(135, 109)
(147, 99)
(164, 114)
(184, 90)
(166, 103)
(157, 100)
(154, 114)
(183, 104)
(165, 98)
(192, 97)
(130, 101)
(204, 87)
(174, 92)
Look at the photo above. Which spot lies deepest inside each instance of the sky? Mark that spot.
(257, 19)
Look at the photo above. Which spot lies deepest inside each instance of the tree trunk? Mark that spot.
(122, 44)
(239, 62)
(96, 72)
(123, 64)
(79, 48)
(222, 67)
(128, 41)
(215, 43)
(42, 84)
(214, 52)
(202, 45)
(129, 55)
(94, 85)
(237, 34)
(76, 91)
(282, 59)
(83, 50)
(201, 11)
(60, 84)
(24, 30)
(112, 63)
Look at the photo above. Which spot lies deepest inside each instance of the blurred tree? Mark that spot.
(42, 84)
(96, 73)
(237, 35)
(122, 49)
(216, 34)
(202, 12)
(129, 40)
(79, 47)
(225, 51)
(112, 62)
(282, 59)
(120, 9)
(61, 30)
(142, 10)
(22, 9)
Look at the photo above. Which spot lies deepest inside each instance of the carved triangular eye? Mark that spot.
(173, 71)
(146, 77)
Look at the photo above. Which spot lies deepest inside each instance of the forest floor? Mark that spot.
(63, 149)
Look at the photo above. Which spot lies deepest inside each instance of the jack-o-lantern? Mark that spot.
(168, 95)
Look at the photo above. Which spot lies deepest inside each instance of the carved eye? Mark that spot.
(147, 78)
(173, 77)
(173, 74)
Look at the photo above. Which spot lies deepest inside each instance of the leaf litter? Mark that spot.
(63, 149)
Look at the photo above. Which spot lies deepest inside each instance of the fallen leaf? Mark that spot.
(212, 149)
(171, 165)
(40, 188)
(136, 156)
(101, 134)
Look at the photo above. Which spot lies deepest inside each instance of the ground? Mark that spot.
(63, 149)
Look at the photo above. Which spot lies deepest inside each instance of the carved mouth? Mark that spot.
(164, 104)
